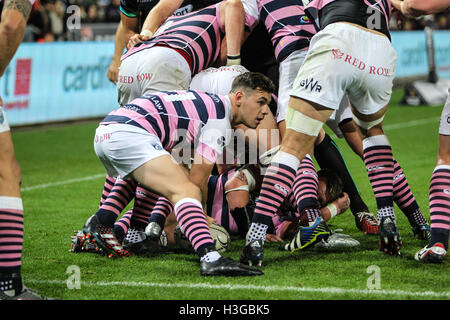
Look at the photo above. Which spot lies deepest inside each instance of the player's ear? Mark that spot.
(239, 96)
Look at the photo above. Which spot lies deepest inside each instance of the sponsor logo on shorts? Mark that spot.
(311, 85)
(103, 137)
(448, 119)
(2, 117)
(359, 64)
(337, 54)
(157, 146)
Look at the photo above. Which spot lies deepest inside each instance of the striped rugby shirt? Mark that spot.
(180, 119)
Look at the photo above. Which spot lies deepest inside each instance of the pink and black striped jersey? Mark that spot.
(371, 14)
(198, 33)
(289, 27)
(181, 119)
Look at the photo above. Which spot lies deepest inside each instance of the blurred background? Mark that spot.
(59, 72)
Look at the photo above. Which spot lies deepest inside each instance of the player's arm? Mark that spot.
(337, 207)
(12, 28)
(127, 27)
(234, 21)
(417, 8)
(155, 18)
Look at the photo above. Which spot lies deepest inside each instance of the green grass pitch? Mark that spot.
(62, 184)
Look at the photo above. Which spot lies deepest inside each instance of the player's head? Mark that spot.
(252, 93)
(330, 187)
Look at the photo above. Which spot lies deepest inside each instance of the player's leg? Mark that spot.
(313, 89)
(11, 217)
(304, 121)
(329, 156)
(379, 161)
(165, 177)
(133, 152)
(439, 197)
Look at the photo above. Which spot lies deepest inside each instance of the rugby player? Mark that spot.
(439, 197)
(340, 62)
(135, 141)
(14, 18)
(144, 16)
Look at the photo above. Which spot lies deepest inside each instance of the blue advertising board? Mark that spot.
(58, 81)
(412, 53)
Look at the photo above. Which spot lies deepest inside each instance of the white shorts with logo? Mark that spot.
(288, 72)
(152, 70)
(123, 148)
(444, 126)
(345, 59)
(4, 126)
(216, 80)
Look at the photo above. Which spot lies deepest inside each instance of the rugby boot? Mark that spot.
(227, 267)
(390, 241)
(366, 222)
(153, 231)
(104, 238)
(422, 231)
(433, 254)
(305, 237)
(137, 242)
(253, 253)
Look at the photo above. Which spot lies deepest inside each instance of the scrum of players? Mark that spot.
(264, 73)
(221, 114)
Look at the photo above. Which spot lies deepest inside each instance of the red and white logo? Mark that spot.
(337, 54)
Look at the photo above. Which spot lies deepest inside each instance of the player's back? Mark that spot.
(288, 25)
(176, 116)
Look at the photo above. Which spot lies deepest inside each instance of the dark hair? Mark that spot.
(253, 81)
(334, 183)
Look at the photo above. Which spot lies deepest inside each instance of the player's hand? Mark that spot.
(273, 238)
(210, 220)
(1, 102)
(113, 72)
(137, 38)
(342, 203)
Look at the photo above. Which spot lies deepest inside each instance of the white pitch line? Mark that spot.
(413, 123)
(59, 183)
(328, 290)
(402, 125)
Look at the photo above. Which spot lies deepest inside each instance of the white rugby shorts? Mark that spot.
(288, 70)
(444, 126)
(345, 59)
(122, 148)
(152, 70)
(4, 126)
(216, 80)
